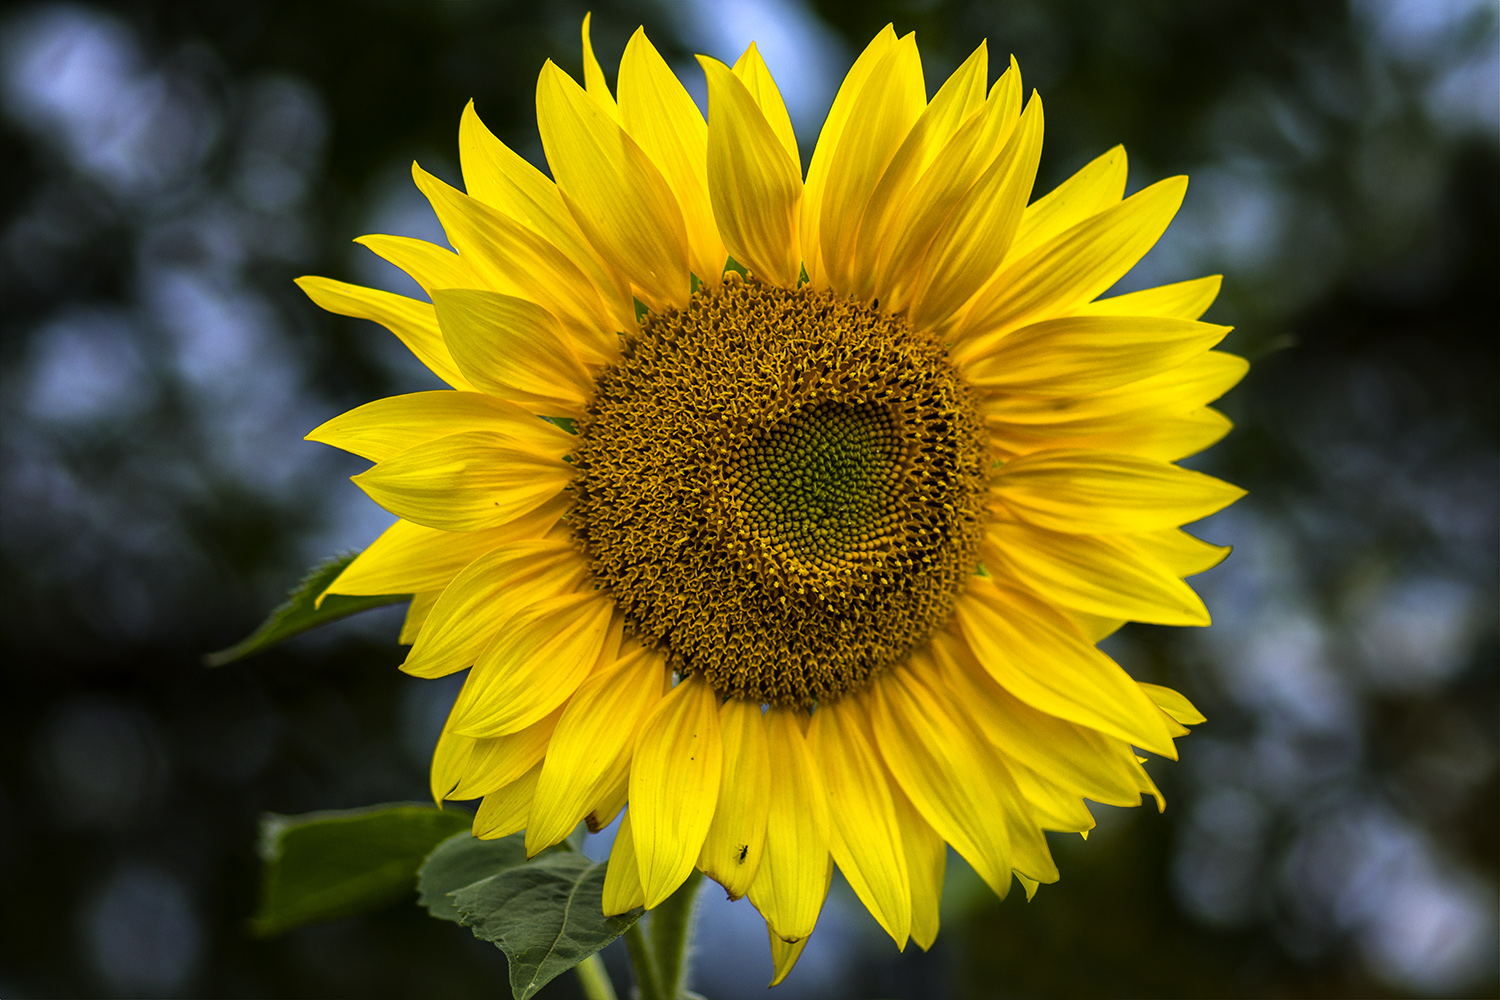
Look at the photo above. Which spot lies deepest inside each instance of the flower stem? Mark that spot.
(671, 927)
(593, 979)
(647, 987)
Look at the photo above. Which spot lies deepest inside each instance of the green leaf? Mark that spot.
(298, 612)
(325, 865)
(458, 863)
(546, 915)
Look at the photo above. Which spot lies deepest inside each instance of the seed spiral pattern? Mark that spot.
(783, 490)
(815, 484)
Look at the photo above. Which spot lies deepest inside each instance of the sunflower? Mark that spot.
(784, 512)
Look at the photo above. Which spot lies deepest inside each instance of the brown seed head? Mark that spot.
(783, 490)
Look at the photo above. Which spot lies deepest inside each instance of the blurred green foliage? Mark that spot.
(326, 865)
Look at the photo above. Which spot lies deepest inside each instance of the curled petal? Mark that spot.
(755, 185)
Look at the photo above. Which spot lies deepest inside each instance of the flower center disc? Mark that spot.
(783, 490)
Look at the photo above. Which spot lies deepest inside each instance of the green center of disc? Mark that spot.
(817, 481)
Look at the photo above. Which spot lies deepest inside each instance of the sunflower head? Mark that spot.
(782, 509)
(782, 489)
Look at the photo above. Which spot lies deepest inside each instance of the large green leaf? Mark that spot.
(298, 612)
(546, 915)
(325, 865)
(458, 863)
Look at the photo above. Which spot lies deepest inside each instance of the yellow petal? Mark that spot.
(409, 558)
(431, 266)
(1036, 655)
(503, 179)
(611, 652)
(674, 785)
(465, 482)
(1078, 355)
(484, 595)
(926, 861)
(1093, 189)
(736, 840)
(504, 812)
(793, 879)
(1071, 269)
(1173, 440)
(973, 240)
(1030, 855)
(784, 956)
(864, 833)
(947, 180)
(659, 114)
(888, 104)
(1174, 704)
(622, 879)
(413, 322)
(534, 664)
(449, 759)
(593, 74)
(514, 259)
(495, 762)
(1074, 757)
(590, 751)
(617, 196)
(1183, 300)
(1095, 491)
(828, 141)
(416, 615)
(1165, 439)
(1179, 551)
(751, 70)
(1170, 393)
(510, 347)
(756, 187)
(1174, 727)
(961, 95)
(1048, 805)
(1148, 787)
(1094, 628)
(389, 426)
(607, 805)
(467, 768)
(939, 764)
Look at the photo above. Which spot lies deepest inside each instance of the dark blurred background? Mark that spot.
(168, 168)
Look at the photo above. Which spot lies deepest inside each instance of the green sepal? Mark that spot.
(300, 612)
(326, 865)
